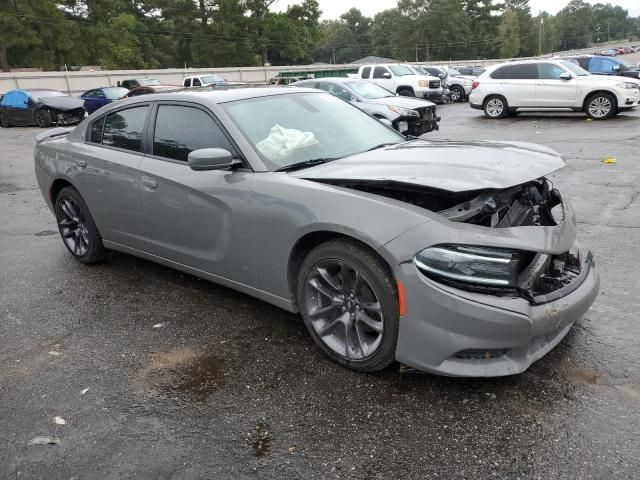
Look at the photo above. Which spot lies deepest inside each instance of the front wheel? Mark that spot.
(77, 228)
(601, 106)
(349, 304)
(43, 118)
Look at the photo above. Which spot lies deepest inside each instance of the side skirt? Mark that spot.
(280, 302)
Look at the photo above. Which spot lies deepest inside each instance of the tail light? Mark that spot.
(475, 84)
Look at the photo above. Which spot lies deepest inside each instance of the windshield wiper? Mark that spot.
(381, 145)
(305, 164)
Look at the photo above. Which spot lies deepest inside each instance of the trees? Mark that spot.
(206, 33)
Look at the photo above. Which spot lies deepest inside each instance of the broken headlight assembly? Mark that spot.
(405, 112)
(470, 267)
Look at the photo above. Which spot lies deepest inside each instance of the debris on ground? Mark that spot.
(85, 390)
(59, 421)
(159, 325)
(609, 160)
(44, 441)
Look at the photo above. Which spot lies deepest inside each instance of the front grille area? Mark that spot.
(434, 83)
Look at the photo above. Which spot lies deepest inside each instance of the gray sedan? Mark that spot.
(454, 258)
(408, 115)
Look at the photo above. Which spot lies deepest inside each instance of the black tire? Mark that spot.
(406, 92)
(375, 281)
(601, 106)
(457, 93)
(82, 232)
(42, 118)
(4, 120)
(495, 106)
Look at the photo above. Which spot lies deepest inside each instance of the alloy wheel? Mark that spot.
(495, 107)
(455, 95)
(72, 226)
(600, 107)
(343, 309)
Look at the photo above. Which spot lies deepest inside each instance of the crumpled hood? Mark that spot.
(405, 102)
(62, 103)
(445, 165)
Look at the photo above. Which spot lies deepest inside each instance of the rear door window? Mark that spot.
(95, 134)
(525, 71)
(123, 129)
(366, 71)
(187, 82)
(179, 130)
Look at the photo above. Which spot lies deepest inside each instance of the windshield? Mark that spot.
(369, 90)
(401, 70)
(576, 69)
(212, 79)
(453, 72)
(624, 62)
(149, 81)
(115, 92)
(297, 127)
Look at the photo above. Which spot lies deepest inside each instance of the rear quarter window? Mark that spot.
(123, 129)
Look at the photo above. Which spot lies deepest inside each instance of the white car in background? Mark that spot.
(403, 80)
(551, 84)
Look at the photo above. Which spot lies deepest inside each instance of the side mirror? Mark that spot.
(386, 75)
(565, 76)
(211, 159)
(616, 68)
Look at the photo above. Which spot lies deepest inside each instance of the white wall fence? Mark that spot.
(77, 82)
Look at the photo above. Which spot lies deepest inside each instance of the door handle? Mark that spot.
(82, 163)
(149, 183)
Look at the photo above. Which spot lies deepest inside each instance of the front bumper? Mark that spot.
(458, 333)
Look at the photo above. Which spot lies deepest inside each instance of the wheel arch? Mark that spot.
(596, 92)
(406, 87)
(491, 95)
(57, 185)
(311, 240)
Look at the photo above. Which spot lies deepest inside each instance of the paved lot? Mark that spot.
(161, 375)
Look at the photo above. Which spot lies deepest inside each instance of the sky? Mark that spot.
(332, 9)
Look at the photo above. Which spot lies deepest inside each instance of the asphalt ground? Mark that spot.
(160, 375)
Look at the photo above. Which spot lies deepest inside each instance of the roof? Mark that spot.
(225, 94)
(374, 59)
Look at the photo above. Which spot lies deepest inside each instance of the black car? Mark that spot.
(40, 107)
(132, 83)
(600, 65)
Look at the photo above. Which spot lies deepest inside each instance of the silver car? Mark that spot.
(408, 115)
(454, 258)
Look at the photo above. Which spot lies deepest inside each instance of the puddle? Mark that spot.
(581, 375)
(260, 440)
(44, 233)
(9, 188)
(185, 371)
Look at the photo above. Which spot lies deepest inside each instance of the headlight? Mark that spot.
(479, 266)
(405, 112)
(422, 83)
(627, 85)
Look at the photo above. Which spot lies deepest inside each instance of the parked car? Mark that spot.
(151, 89)
(132, 83)
(410, 116)
(473, 71)
(544, 84)
(281, 81)
(459, 86)
(401, 79)
(203, 80)
(609, 53)
(599, 65)
(40, 107)
(457, 258)
(99, 97)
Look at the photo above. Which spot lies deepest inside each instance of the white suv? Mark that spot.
(542, 84)
(403, 80)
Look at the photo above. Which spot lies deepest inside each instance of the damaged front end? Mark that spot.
(68, 117)
(535, 276)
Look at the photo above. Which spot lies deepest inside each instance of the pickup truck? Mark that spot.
(402, 80)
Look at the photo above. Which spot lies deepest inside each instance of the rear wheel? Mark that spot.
(77, 228)
(496, 107)
(348, 301)
(4, 120)
(406, 92)
(601, 106)
(457, 93)
(43, 118)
